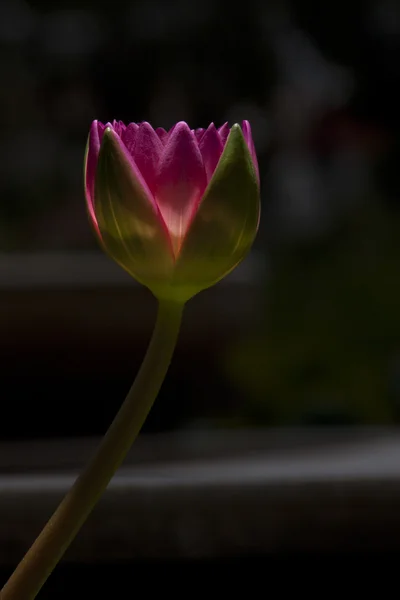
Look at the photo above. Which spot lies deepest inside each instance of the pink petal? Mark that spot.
(169, 132)
(92, 154)
(211, 148)
(147, 153)
(181, 181)
(100, 129)
(249, 141)
(199, 133)
(225, 223)
(162, 134)
(132, 229)
(129, 162)
(129, 137)
(224, 132)
(118, 127)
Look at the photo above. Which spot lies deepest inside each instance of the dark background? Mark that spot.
(319, 338)
(309, 331)
(315, 312)
(305, 333)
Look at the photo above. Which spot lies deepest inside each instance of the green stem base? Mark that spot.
(61, 529)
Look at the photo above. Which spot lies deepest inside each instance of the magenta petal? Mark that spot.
(131, 226)
(147, 153)
(92, 154)
(162, 134)
(130, 163)
(199, 133)
(224, 132)
(128, 136)
(181, 181)
(170, 131)
(100, 129)
(250, 144)
(211, 148)
(118, 127)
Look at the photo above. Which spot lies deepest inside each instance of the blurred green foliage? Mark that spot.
(331, 329)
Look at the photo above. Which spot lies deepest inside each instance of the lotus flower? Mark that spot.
(178, 210)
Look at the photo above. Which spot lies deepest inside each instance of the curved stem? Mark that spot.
(61, 529)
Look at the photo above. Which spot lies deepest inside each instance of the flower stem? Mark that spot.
(61, 529)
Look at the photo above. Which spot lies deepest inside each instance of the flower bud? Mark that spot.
(178, 210)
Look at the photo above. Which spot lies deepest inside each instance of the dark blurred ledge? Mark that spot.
(89, 269)
(73, 331)
(215, 494)
(48, 301)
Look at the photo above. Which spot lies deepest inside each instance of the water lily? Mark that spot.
(177, 209)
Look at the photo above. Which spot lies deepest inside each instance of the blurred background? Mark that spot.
(306, 333)
(314, 328)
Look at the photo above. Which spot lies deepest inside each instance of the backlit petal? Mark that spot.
(131, 226)
(118, 126)
(224, 132)
(225, 223)
(181, 181)
(147, 153)
(91, 157)
(129, 137)
(249, 141)
(211, 149)
(199, 133)
(162, 134)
